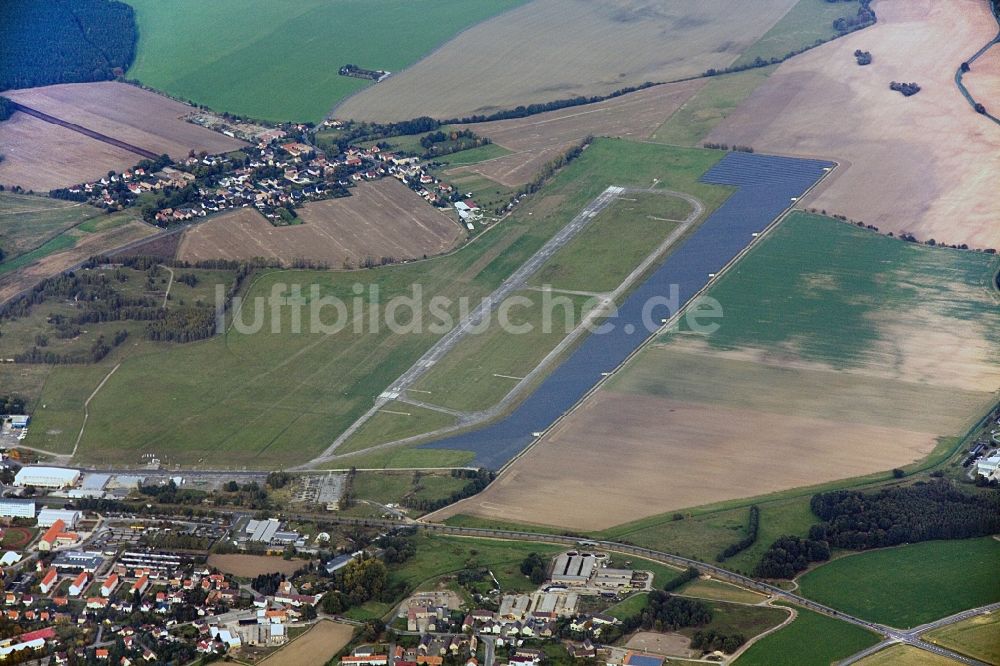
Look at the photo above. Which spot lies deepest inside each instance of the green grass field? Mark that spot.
(740, 619)
(397, 420)
(977, 637)
(909, 585)
(617, 241)
(829, 284)
(714, 589)
(280, 398)
(804, 24)
(472, 155)
(720, 96)
(484, 367)
(629, 607)
(905, 655)
(392, 487)
(810, 640)
(705, 535)
(27, 221)
(279, 61)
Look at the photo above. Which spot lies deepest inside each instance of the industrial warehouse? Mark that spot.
(591, 571)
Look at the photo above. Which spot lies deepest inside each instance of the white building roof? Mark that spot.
(37, 475)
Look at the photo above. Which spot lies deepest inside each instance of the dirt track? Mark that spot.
(927, 164)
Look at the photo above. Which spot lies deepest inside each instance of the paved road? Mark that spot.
(893, 635)
(446, 343)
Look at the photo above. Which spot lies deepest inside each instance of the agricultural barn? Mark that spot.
(19, 421)
(573, 568)
(47, 477)
(16, 508)
(48, 517)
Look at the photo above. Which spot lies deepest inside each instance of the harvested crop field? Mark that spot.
(248, 566)
(41, 156)
(554, 49)
(317, 646)
(679, 454)
(926, 164)
(538, 139)
(127, 113)
(840, 353)
(380, 219)
(983, 80)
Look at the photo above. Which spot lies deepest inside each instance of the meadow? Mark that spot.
(810, 640)
(279, 399)
(27, 222)
(806, 23)
(909, 585)
(280, 61)
(975, 637)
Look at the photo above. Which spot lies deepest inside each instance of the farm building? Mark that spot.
(48, 517)
(46, 477)
(988, 467)
(19, 421)
(613, 578)
(573, 568)
(17, 508)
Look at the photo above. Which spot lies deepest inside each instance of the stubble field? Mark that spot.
(380, 219)
(552, 49)
(42, 156)
(128, 113)
(315, 647)
(840, 353)
(925, 164)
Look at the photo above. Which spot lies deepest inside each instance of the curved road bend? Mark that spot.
(514, 282)
(893, 635)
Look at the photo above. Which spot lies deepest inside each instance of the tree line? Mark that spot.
(753, 526)
(478, 480)
(64, 41)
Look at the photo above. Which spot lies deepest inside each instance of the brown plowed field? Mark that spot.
(127, 113)
(538, 139)
(381, 218)
(650, 455)
(926, 164)
(555, 49)
(983, 81)
(42, 156)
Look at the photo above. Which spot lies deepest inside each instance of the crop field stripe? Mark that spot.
(103, 138)
(766, 185)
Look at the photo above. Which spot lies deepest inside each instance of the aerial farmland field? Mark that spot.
(554, 49)
(830, 334)
(810, 640)
(909, 585)
(280, 61)
(380, 219)
(823, 103)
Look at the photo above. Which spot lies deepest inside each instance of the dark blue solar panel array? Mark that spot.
(766, 186)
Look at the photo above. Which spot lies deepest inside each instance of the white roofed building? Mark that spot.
(46, 477)
(48, 517)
